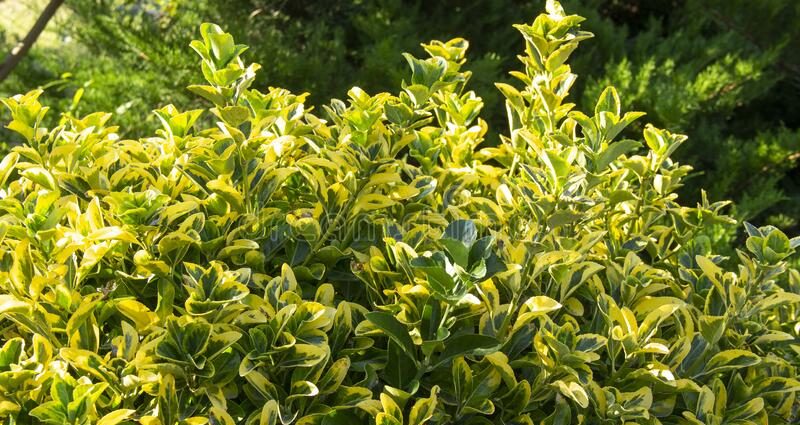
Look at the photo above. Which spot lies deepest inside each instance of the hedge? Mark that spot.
(374, 263)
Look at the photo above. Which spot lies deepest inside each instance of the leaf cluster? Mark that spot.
(376, 262)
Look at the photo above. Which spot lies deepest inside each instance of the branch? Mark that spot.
(19, 51)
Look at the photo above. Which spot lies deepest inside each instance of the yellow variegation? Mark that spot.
(378, 261)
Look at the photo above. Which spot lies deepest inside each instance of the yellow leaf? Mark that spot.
(113, 233)
(542, 304)
(222, 188)
(373, 201)
(269, 413)
(8, 407)
(711, 270)
(81, 316)
(574, 391)
(173, 212)
(10, 304)
(116, 417)
(94, 254)
(150, 420)
(92, 219)
(404, 192)
(7, 166)
(141, 315)
(504, 196)
(320, 162)
(21, 271)
(383, 178)
(40, 176)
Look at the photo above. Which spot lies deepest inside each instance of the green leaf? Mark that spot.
(234, 115)
(440, 273)
(467, 344)
(193, 337)
(395, 330)
(334, 376)
(401, 368)
(730, 360)
(712, 328)
(391, 409)
(463, 231)
(40, 176)
(557, 58)
(51, 413)
(608, 102)
(746, 410)
(167, 400)
(462, 380)
(384, 419)
(351, 396)
(209, 93)
(141, 316)
(711, 270)
(426, 72)
(302, 389)
(590, 342)
(218, 416)
(613, 151)
(303, 355)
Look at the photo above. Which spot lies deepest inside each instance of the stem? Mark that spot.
(501, 334)
(513, 164)
(639, 202)
(19, 51)
(445, 315)
(246, 188)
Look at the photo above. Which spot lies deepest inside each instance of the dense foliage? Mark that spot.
(378, 262)
(715, 68)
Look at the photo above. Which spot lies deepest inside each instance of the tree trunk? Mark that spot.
(19, 51)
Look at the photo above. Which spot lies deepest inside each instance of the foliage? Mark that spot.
(714, 68)
(375, 263)
(711, 67)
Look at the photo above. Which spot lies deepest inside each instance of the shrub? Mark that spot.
(379, 265)
(714, 67)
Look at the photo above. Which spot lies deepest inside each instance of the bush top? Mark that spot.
(375, 263)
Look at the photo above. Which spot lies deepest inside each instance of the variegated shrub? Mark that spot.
(379, 262)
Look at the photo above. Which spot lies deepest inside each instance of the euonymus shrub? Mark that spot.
(375, 265)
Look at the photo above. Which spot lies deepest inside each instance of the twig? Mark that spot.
(19, 51)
